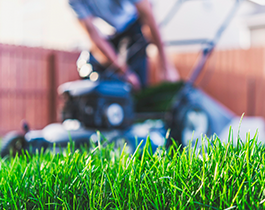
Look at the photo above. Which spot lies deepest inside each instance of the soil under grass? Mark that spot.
(221, 177)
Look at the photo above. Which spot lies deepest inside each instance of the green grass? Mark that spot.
(221, 177)
(156, 98)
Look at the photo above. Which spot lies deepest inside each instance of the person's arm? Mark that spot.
(103, 51)
(146, 16)
(103, 45)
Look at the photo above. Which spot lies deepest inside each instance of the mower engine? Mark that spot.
(97, 101)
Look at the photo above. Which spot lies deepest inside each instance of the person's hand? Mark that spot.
(171, 74)
(133, 79)
(129, 75)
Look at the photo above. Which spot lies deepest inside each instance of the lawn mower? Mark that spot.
(102, 105)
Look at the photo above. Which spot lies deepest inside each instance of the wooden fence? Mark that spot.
(28, 81)
(29, 78)
(236, 78)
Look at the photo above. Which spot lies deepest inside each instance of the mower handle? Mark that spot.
(207, 51)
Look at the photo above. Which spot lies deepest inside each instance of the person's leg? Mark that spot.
(138, 64)
(136, 56)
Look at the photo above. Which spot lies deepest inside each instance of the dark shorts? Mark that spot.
(136, 58)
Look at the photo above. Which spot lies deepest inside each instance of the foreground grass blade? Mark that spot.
(214, 176)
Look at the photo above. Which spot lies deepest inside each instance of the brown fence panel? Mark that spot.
(259, 97)
(29, 78)
(23, 87)
(236, 78)
(230, 89)
(65, 71)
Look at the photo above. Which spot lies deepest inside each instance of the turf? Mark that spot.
(217, 176)
(156, 98)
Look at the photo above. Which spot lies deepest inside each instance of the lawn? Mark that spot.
(217, 176)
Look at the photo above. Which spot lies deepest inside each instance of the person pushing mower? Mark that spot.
(127, 17)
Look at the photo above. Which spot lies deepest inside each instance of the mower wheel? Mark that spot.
(194, 123)
(12, 143)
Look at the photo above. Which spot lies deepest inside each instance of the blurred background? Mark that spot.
(40, 41)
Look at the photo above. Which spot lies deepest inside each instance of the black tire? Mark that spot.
(195, 122)
(189, 122)
(12, 143)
